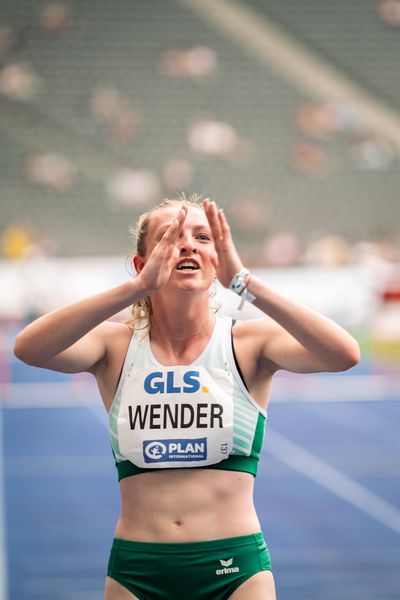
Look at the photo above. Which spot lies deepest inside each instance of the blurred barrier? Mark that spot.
(352, 295)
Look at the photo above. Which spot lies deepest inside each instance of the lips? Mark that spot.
(187, 264)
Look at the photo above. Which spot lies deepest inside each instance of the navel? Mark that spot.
(178, 523)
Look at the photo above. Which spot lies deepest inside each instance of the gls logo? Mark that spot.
(160, 383)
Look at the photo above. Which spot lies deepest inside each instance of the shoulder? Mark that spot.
(253, 336)
(112, 328)
(112, 332)
(254, 329)
(249, 341)
(115, 337)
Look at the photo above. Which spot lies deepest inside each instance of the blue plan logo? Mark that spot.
(180, 450)
(154, 451)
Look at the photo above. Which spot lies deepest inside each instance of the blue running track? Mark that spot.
(328, 489)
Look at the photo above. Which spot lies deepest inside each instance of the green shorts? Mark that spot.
(210, 570)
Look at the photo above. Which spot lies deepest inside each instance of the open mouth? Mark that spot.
(188, 265)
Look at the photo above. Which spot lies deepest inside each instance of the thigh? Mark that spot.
(116, 591)
(260, 586)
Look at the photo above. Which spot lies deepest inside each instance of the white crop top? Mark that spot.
(185, 416)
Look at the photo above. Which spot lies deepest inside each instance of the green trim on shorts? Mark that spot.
(210, 570)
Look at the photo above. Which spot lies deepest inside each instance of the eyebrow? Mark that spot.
(164, 227)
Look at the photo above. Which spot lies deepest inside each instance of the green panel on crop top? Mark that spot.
(185, 416)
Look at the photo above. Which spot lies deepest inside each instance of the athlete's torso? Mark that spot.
(185, 416)
(184, 504)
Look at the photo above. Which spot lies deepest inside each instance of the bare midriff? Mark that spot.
(186, 505)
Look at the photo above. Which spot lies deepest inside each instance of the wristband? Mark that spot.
(239, 286)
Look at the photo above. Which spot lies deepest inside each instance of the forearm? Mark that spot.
(305, 340)
(319, 335)
(54, 332)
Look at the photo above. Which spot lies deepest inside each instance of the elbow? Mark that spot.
(23, 351)
(350, 357)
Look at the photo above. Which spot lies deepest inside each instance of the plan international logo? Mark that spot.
(178, 450)
(227, 564)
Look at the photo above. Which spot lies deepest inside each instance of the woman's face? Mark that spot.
(194, 259)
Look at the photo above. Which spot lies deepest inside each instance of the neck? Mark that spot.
(181, 320)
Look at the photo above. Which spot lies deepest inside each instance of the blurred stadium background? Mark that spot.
(287, 114)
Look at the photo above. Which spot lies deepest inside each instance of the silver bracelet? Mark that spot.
(239, 286)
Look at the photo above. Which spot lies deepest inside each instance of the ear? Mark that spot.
(138, 263)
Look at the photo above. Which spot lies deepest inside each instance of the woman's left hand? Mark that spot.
(227, 262)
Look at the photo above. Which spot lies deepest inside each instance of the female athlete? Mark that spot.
(187, 394)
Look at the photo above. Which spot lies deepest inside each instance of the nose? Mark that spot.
(186, 243)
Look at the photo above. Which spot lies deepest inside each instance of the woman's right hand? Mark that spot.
(63, 340)
(155, 270)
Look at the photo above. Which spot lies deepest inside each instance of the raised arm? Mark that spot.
(73, 338)
(291, 337)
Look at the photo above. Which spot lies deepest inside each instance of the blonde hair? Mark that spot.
(142, 311)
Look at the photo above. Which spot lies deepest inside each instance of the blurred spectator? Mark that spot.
(327, 251)
(281, 249)
(19, 241)
(18, 82)
(380, 252)
(52, 171)
(250, 251)
(250, 214)
(110, 107)
(124, 127)
(15, 240)
(177, 174)
(130, 187)
(7, 38)
(214, 138)
(324, 119)
(106, 103)
(56, 17)
(389, 247)
(372, 153)
(193, 63)
(389, 11)
(309, 158)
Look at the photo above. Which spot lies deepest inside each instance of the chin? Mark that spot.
(191, 287)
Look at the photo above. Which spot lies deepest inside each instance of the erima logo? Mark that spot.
(226, 563)
(227, 567)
